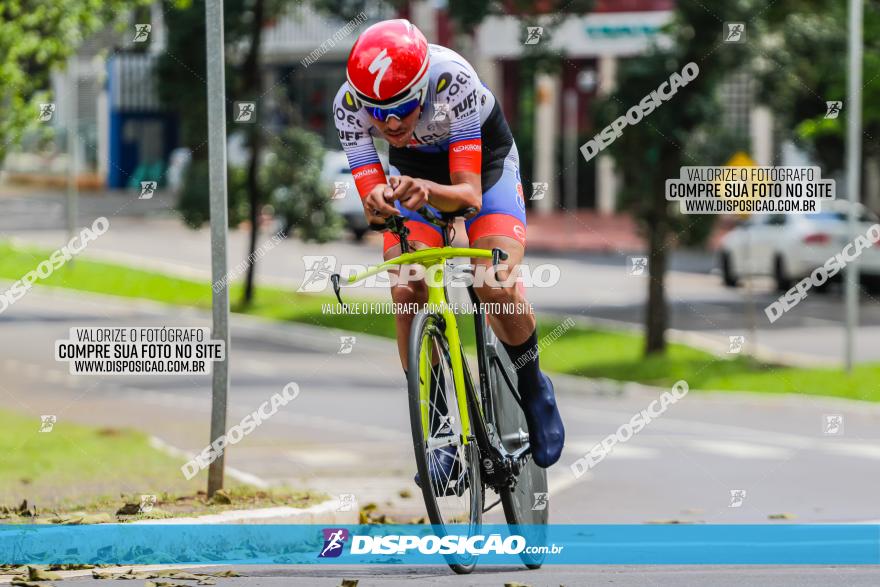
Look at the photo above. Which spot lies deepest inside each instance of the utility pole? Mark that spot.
(72, 147)
(853, 177)
(219, 227)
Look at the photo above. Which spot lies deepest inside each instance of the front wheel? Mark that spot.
(454, 497)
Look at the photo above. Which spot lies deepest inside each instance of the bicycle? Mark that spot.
(487, 429)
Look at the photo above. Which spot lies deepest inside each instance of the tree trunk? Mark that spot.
(253, 86)
(656, 313)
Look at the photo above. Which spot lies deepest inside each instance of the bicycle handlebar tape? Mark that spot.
(546, 431)
(334, 279)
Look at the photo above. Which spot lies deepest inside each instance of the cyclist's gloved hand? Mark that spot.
(377, 204)
(411, 192)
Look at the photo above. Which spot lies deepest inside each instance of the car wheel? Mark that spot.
(783, 281)
(727, 275)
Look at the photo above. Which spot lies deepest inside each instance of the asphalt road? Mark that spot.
(347, 432)
(566, 576)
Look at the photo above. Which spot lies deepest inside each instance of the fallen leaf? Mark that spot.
(220, 498)
(129, 509)
(173, 574)
(781, 516)
(23, 583)
(349, 583)
(405, 493)
(226, 573)
(35, 574)
(102, 518)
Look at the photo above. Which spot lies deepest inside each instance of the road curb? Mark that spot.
(323, 513)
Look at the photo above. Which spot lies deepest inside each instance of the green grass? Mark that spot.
(72, 462)
(91, 470)
(580, 351)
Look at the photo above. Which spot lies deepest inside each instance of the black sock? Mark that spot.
(524, 357)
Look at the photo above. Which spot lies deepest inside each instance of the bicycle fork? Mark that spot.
(434, 279)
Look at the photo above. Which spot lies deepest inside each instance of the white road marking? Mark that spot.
(620, 451)
(740, 450)
(236, 474)
(325, 456)
(867, 451)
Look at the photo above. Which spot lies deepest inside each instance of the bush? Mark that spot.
(291, 178)
(193, 203)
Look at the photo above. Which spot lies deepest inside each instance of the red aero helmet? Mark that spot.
(388, 64)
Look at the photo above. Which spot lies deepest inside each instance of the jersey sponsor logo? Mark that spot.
(380, 64)
(461, 148)
(520, 200)
(467, 103)
(348, 102)
(431, 138)
(443, 82)
(461, 80)
(350, 119)
(520, 232)
(364, 172)
(349, 136)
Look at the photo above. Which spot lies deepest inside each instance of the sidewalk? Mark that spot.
(584, 230)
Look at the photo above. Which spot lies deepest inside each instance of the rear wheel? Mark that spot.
(458, 498)
(526, 503)
(783, 281)
(727, 275)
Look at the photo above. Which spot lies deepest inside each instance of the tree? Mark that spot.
(37, 37)
(182, 71)
(653, 150)
(291, 180)
(802, 65)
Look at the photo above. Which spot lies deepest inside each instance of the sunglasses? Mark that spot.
(400, 111)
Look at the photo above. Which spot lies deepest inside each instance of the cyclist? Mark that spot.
(451, 149)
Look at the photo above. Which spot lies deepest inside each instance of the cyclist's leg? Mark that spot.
(404, 293)
(501, 223)
(509, 311)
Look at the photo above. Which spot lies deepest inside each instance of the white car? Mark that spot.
(340, 185)
(789, 247)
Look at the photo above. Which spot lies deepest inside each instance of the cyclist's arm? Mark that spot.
(465, 147)
(354, 136)
(465, 192)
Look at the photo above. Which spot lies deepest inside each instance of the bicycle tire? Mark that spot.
(519, 502)
(428, 326)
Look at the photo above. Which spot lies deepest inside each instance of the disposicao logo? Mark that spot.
(334, 541)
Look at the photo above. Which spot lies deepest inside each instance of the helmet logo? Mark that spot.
(380, 64)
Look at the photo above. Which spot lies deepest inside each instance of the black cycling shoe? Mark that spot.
(447, 476)
(546, 432)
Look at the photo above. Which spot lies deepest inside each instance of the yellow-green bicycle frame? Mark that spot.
(434, 278)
